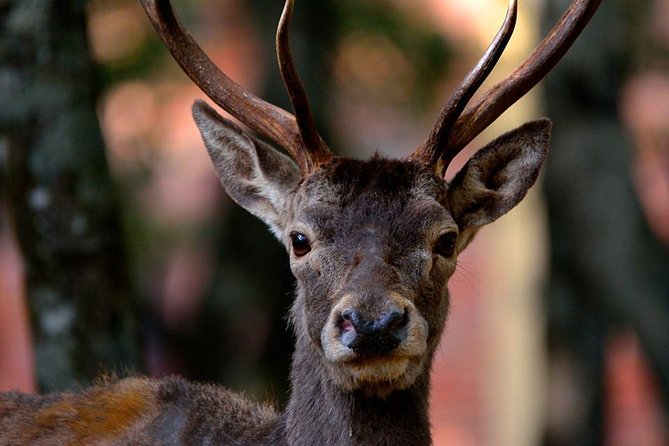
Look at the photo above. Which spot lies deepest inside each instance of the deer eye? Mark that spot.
(445, 245)
(300, 242)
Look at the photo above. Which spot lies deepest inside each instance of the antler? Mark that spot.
(429, 152)
(298, 136)
(454, 130)
(298, 97)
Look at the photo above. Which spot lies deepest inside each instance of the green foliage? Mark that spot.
(426, 50)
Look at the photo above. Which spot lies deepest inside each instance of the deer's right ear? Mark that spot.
(256, 176)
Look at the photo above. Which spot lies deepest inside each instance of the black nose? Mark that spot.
(373, 337)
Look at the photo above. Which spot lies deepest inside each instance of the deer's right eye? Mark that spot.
(300, 242)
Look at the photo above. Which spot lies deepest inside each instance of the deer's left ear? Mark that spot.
(498, 176)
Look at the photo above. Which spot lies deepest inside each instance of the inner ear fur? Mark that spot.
(498, 176)
(256, 176)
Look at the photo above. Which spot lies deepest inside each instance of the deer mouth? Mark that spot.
(377, 376)
(378, 369)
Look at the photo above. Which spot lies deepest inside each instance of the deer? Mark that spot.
(372, 245)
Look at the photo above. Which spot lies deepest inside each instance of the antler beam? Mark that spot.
(298, 137)
(450, 140)
(319, 152)
(429, 152)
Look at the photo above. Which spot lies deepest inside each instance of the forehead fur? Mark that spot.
(398, 198)
(344, 181)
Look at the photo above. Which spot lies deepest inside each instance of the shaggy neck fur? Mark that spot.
(319, 413)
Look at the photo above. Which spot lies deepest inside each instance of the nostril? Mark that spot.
(394, 325)
(394, 320)
(348, 314)
(346, 325)
(400, 325)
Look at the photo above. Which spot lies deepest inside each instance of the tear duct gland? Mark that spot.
(372, 245)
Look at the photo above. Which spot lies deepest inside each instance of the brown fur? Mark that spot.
(135, 411)
(102, 413)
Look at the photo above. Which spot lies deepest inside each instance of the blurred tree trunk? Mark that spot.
(62, 199)
(607, 269)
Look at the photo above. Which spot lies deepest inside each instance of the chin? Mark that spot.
(377, 377)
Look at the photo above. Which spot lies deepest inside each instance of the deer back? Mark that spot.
(137, 411)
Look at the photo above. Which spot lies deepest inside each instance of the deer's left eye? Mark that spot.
(300, 242)
(445, 245)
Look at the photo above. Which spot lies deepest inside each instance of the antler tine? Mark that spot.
(268, 120)
(499, 98)
(313, 143)
(429, 152)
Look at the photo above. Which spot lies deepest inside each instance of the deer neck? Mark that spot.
(321, 413)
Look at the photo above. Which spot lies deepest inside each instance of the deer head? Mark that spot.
(372, 243)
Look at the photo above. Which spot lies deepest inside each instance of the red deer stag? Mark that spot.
(372, 245)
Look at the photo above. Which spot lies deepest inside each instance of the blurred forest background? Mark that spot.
(119, 252)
